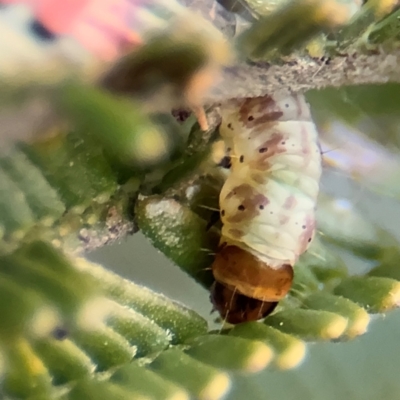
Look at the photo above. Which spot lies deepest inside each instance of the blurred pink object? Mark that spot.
(104, 27)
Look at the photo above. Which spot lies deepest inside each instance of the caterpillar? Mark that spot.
(267, 203)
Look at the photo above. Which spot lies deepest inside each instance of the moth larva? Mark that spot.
(267, 203)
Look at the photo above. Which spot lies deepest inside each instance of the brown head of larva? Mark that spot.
(236, 308)
(249, 275)
(246, 285)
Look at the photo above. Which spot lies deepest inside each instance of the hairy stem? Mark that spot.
(302, 74)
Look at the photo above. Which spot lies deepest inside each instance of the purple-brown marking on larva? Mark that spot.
(305, 148)
(272, 117)
(250, 200)
(235, 308)
(254, 105)
(283, 219)
(248, 113)
(258, 178)
(290, 202)
(266, 150)
(250, 276)
(236, 233)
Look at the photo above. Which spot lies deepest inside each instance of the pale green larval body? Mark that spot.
(268, 200)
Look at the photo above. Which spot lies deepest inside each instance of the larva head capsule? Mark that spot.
(244, 281)
(236, 308)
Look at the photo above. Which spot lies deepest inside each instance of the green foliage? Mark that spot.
(324, 28)
(71, 329)
(107, 321)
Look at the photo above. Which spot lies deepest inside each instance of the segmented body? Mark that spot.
(268, 200)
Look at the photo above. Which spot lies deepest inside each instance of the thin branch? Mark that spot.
(300, 75)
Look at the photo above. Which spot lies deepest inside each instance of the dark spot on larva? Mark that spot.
(250, 118)
(283, 142)
(309, 240)
(247, 200)
(263, 149)
(303, 227)
(241, 159)
(222, 212)
(230, 126)
(271, 212)
(287, 105)
(236, 233)
(261, 207)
